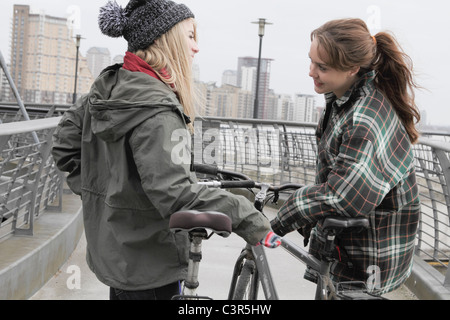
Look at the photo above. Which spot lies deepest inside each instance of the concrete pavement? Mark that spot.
(74, 280)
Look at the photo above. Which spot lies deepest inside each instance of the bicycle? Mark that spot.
(251, 269)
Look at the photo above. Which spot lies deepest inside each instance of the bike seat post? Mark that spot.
(196, 223)
(324, 269)
(327, 252)
(195, 256)
(330, 235)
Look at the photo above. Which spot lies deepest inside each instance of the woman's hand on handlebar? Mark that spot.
(271, 240)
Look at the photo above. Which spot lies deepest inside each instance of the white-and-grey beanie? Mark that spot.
(141, 22)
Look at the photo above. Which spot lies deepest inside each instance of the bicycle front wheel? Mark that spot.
(247, 282)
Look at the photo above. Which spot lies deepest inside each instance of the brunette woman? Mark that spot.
(365, 164)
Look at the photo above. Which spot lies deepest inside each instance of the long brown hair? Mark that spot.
(348, 43)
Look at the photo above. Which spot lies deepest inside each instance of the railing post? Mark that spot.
(33, 185)
(445, 166)
(16, 94)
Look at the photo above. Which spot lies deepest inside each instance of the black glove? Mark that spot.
(305, 231)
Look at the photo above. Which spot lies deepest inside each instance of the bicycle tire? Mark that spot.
(247, 282)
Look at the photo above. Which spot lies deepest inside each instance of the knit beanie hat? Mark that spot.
(142, 21)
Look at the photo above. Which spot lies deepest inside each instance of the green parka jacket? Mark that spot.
(115, 143)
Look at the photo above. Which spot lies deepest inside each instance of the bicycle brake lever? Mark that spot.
(276, 196)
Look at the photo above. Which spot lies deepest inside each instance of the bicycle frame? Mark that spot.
(261, 273)
(325, 288)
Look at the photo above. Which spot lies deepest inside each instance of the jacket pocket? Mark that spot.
(182, 244)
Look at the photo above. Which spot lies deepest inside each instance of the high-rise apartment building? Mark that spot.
(204, 105)
(224, 101)
(196, 72)
(247, 66)
(229, 77)
(248, 79)
(43, 58)
(271, 111)
(304, 108)
(284, 110)
(118, 59)
(245, 104)
(98, 59)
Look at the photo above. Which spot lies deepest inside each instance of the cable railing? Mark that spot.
(29, 181)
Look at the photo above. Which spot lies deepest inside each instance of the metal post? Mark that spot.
(262, 23)
(16, 93)
(76, 69)
(258, 73)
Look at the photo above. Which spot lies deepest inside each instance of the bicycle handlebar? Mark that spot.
(207, 169)
(244, 182)
(238, 184)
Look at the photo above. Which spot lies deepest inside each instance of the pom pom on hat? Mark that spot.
(112, 19)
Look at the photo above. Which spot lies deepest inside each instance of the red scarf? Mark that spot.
(133, 63)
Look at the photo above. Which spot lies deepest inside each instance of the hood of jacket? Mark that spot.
(120, 100)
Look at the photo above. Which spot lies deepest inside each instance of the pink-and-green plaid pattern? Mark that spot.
(365, 167)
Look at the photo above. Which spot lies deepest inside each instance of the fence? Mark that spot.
(433, 169)
(29, 181)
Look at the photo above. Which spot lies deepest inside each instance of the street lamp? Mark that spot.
(78, 37)
(262, 24)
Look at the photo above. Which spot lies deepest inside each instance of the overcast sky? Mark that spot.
(226, 33)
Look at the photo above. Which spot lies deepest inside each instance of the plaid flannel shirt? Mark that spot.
(365, 167)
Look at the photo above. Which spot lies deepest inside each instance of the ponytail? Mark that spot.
(395, 80)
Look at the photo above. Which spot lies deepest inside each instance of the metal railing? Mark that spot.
(433, 171)
(277, 152)
(29, 181)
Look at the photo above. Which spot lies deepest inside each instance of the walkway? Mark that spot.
(74, 280)
(26, 262)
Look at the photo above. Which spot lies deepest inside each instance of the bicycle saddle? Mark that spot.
(189, 220)
(340, 223)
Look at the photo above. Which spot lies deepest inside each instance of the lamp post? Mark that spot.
(262, 24)
(78, 37)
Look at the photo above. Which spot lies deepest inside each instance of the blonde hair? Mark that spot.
(170, 52)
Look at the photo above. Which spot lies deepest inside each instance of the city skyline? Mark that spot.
(418, 25)
(44, 69)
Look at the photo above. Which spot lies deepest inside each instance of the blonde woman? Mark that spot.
(116, 145)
